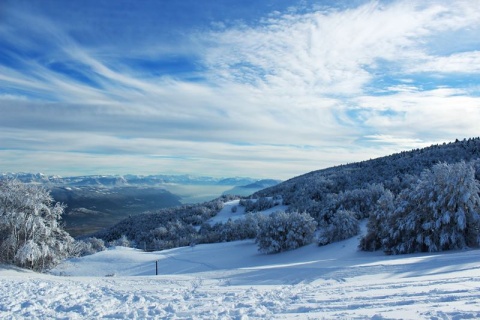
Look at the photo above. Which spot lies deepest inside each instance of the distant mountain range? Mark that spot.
(127, 180)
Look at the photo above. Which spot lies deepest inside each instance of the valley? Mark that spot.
(100, 201)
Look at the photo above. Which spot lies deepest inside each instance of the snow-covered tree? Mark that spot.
(377, 226)
(283, 231)
(440, 212)
(30, 232)
(88, 246)
(256, 205)
(343, 225)
(122, 242)
(360, 202)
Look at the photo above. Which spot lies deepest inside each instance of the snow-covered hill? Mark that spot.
(234, 281)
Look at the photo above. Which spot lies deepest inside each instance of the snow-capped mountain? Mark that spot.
(126, 180)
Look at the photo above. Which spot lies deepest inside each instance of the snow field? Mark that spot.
(234, 281)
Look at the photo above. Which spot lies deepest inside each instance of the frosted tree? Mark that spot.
(245, 228)
(343, 225)
(440, 212)
(30, 231)
(361, 202)
(122, 242)
(378, 223)
(283, 231)
(88, 246)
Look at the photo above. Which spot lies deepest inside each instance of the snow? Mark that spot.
(226, 213)
(234, 281)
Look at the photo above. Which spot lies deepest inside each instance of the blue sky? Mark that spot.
(232, 88)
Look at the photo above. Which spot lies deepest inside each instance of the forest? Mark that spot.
(424, 200)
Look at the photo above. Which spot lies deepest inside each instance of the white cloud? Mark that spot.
(430, 116)
(319, 53)
(397, 141)
(108, 154)
(464, 62)
(265, 91)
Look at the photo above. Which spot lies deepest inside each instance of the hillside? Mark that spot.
(234, 281)
(205, 272)
(337, 198)
(386, 170)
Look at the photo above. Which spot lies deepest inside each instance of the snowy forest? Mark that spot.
(424, 200)
(420, 200)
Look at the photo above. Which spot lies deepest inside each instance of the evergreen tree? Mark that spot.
(377, 226)
(440, 212)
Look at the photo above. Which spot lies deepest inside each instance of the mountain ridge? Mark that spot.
(384, 169)
(128, 179)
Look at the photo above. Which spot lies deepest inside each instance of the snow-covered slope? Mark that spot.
(234, 281)
(226, 213)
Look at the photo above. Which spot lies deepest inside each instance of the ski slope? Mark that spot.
(234, 281)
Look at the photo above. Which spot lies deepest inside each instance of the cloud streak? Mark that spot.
(275, 96)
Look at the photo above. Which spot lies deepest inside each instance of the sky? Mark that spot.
(265, 89)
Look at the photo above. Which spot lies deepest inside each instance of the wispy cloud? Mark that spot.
(464, 62)
(302, 89)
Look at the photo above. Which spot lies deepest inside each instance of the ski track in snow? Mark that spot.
(234, 281)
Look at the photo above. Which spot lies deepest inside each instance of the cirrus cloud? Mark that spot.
(285, 92)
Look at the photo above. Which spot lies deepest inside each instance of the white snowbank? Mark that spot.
(234, 281)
